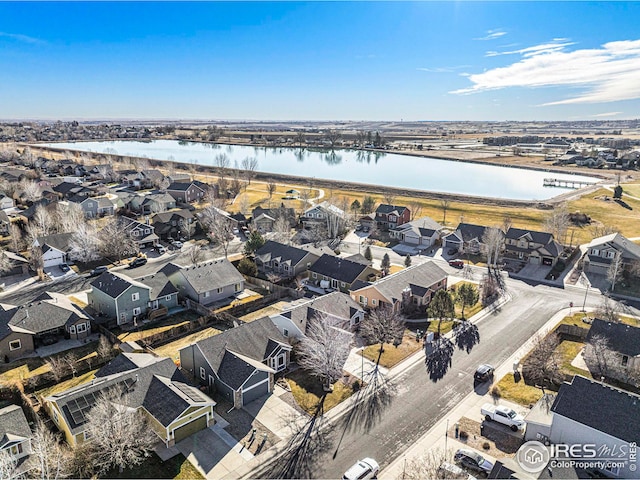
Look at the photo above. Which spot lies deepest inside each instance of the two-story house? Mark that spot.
(466, 238)
(339, 273)
(54, 248)
(391, 216)
(265, 218)
(602, 251)
(284, 260)
(175, 224)
(622, 360)
(15, 439)
(142, 233)
(529, 246)
(207, 282)
(318, 214)
(239, 363)
(187, 192)
(411, 288)
(95, 206)
(152, 203)
(116, 296)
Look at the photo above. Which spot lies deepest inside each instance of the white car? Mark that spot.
(363, 470)
(177, 243)
(504, 415)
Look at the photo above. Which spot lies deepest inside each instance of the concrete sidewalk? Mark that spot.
(436, 437)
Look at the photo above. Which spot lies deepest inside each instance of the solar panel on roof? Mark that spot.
(191, 393)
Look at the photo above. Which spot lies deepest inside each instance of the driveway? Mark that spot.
(276, 414)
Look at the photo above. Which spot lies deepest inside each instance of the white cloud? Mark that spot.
(20, 37)
(492, 34)
(443, 69)
(607, 114)
(606, 74)
(535, 50)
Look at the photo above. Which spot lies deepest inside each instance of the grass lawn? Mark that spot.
(519, 392)
(445, 327)
(395, 269)
(235, 303)
(171, 349)
(576, 320)
(569, 350)
(307, 391)
(152, 328)
(392, 355)
(177, 467)
(632, 189)
(22, 369)
(72, 382)
(264, 312)
(468, 311)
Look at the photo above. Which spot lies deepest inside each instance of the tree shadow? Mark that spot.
(438, 360)
(304, 448)
(467, 336)
(376, 397)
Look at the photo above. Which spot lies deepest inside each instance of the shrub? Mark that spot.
(463, 435)
(486, 445)
(356, 386)
(247, 267)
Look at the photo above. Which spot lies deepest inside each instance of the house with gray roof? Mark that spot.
(22, 328)
(623, 344)
(391, 216)
(154, 385)
(239, 364)
(207, 282)
(5, 223)
(54, 248)
(174, 224)
(340, 308)
(529, 246)
(95, 206)
(142, 233)
(419, 234)
(18, 264)
(602, 251)
(285, 260)
(265, 218)
(6, 202)
(163, 293)
(339, 273)
(412, 287)
(152, 203)
(114, 296)
(15, 436)
(466, 238)
(187, 192)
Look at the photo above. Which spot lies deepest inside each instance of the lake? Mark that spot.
(389, 169)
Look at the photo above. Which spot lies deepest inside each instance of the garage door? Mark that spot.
(258, 391)
(183, 432)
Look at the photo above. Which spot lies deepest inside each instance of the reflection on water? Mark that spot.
(377, 168)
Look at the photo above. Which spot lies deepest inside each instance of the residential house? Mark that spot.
(177, 177)
(150, 384)
(589, 412)
(6, 202)
(142, 233)
(529, 246)
(318, 214)
(340, 308)
(54, 248)
(368, 221)
(466, 238)
(19, 264)
(22, 328)
(411, 288)
(5, 223)
(131, 178)
(69, 190)
(420, 234)
(207, 282)
(265, 218)
(624, 343)
(391, 216)
(116, 296)
(284, 260)
(602, 251)
(339, 273)
(175, 224)
(152, 177)
(15, 438)
(152, 203)
(163, 293)
(239, 364)
(95, 206)
(187, 192)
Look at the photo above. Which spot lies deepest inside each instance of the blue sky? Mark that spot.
(320, 60)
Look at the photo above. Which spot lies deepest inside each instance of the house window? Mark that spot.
(72, 329)
(135, 233)
(625, 360)
(314, 275)
(81, 328)
(203, 373)
(286, 268)
(374, 302)
(136, 311)
(236, 287)
(15, 345)
(342, 284)
(55, 415)
(135, 297)
(168, 298)
(206, 294)
(285, 332)
(363, 300)
(219, 290)
(147, 231)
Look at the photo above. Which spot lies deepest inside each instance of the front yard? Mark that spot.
(393, 355)
(177, 467)
(518, 392)
(307, 391)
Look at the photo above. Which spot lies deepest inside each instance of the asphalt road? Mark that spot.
(419, 402)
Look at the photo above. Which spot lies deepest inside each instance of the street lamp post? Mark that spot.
(585, 282)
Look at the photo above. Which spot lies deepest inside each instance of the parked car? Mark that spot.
(472, 460)
(161, 249)
(64, 267)
(484, 373)
(98, 271)
(137, 262)
(362, 470)
(449, 471)
(504, 415)
(457, 263)
(176, 243)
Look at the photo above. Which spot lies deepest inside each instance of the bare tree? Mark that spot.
(415, 208)
(324, 350)
(444, 204)
(51, 458)
(105, 349)
(249, 166)
(69, 217)
(615, 270)
(333, 136)
(17, 241)
(116, 242)
(5, 262)
(58, 367)
(36, 261)
(601, 230)
(282, 230)
(389, 198)
(427, 465)
(195, 253)
(9, 467)
(492, 242)
(608, 310)
(70, 360)
(600, 358)
(120, 436)
(218, 227)
(301, 138)
(558, 223)
(84, 244)
(542, 366)
(383, 325)
(271, 189)
(43, 222)
(506, 223)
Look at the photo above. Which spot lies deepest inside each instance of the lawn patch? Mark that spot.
(67, 384)
(177, 467)
(172, 349)
(518, 392)
(569, 350)
(392, 355)
(307, 391)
